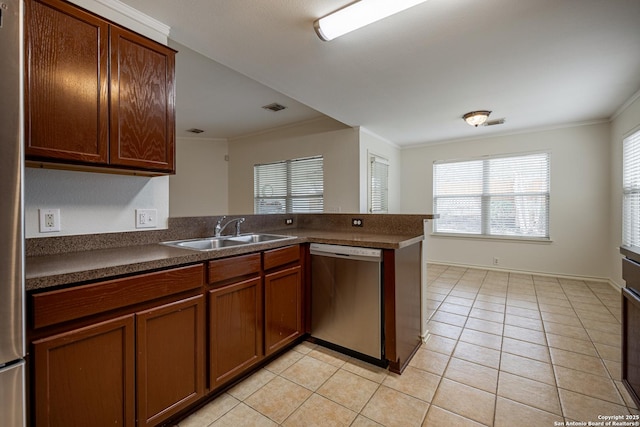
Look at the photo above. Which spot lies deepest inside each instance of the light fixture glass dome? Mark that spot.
(476, 118)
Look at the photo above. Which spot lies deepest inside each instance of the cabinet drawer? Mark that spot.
(281, 256)
(230, 268)
(50, 308)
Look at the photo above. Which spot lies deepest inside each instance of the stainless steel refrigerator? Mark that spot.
(12, 341)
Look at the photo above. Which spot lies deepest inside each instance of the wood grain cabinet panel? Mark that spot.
(169, 359)
(66, 98)
(283, 308)
(98, 96)
(235, 325)
(142, 102)
(85, 377)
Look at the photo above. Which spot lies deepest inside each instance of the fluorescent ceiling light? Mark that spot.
(357, 15)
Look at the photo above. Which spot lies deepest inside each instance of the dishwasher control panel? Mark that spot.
(327, 250)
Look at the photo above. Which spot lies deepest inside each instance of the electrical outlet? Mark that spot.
(496, 261)
(288, 221)
(357, 222)
(146, 218)
(49, 220)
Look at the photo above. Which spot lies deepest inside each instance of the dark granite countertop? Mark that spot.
(94, 261)
(631, 252)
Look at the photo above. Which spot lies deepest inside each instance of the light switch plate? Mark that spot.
(146, 218)
(49, 220)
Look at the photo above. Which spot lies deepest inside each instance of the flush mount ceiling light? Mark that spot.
(476, 118)
(357, 15)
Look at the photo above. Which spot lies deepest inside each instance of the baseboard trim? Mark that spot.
(537, 273)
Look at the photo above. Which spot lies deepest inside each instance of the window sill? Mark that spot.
(513, 239)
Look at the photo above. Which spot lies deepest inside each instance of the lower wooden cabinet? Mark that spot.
(631, 324)
(123, 352)
(138, 350)
(282, 308)
(85, 377)
(169, 359)
(235, 325)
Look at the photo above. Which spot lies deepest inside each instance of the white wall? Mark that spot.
(373, 144)
(579, 211)
(95, 202)
(337, 143)
(200, 185)
(626, 122)
(92, 202)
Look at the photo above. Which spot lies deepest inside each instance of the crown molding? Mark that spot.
(136, 15)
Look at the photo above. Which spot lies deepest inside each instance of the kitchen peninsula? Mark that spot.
(129, 299)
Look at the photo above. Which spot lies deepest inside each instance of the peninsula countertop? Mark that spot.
(94, 262)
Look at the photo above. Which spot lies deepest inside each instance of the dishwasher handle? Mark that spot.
(346, 252)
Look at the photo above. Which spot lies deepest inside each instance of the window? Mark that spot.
(290, 186)
(631, 190)
(378, 184)
(493, 196)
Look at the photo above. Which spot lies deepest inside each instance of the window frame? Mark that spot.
(485, 198)
(372, 191)
(631, 211)
(289, 184)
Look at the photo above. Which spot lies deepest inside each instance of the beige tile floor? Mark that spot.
(505, 350)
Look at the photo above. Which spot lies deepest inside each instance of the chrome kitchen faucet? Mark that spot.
(219, 227)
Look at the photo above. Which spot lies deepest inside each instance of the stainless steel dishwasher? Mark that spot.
(346, 300)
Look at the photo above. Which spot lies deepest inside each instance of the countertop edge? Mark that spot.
(45, 272)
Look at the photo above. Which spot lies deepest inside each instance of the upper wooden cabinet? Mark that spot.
(96, 94)
(142, 102)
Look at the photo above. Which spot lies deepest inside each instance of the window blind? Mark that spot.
(290, 186)
(493, 196)
(631, 190)
(378, 185)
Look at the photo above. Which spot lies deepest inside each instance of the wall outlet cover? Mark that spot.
(49, 220)
(146, 218)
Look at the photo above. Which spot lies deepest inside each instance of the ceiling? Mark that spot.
(408, 78)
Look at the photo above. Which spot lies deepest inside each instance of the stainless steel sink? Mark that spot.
(245, 239)
(213, 243)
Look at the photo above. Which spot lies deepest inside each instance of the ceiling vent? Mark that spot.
(493, 122)
(195, 130)
(274, 107)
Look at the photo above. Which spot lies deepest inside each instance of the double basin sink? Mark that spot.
(213, 243)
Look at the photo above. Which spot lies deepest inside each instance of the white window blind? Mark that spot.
(290, 186)
(493, 196)
(378, 184)
(631, 190)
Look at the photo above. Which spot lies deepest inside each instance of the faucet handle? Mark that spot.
(238, 222)
(220, 220)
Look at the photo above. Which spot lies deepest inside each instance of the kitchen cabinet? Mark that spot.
(85, 377)
(96, 94)
(255, 309)
(169, 359)
(631, 327)
(235, 317)
(401, 284)
(283, 297)
(112, 352)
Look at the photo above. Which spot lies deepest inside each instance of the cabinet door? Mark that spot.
(235, 324)
(142, 102)
(66, 99)
(85, 377)
(631, 342)
(170, 359)
(283, 308)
